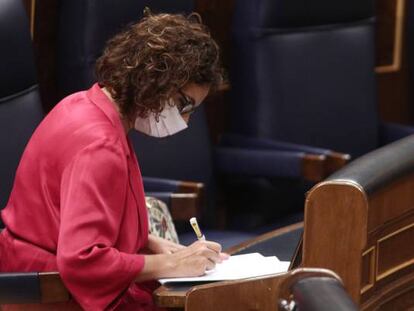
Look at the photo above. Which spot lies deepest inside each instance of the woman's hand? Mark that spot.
(157, 245)
(193, 260)
(196, 259)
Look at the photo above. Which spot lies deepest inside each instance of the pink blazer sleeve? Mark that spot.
(93, 192)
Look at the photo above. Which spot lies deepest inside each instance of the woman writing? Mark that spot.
(77, 205)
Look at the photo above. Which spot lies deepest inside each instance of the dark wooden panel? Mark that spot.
(52, 287)
(44, 39)
(391, 202)
(392, 244)
(368, 270)
(43, 17)
(394, 98)
(385, 35)
(393, 259)
(217, 15)
(30, 8)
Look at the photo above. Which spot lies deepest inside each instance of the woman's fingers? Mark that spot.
(177, 247)
(197, 258)
(209, 244)
(214, 246)
(210, 265)
(211, 255)
(224, 256)
(210, 250)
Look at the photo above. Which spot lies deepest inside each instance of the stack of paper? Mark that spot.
(238, 267)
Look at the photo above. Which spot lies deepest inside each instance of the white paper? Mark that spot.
(238, 267)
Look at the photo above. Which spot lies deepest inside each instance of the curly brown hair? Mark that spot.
(145, 65)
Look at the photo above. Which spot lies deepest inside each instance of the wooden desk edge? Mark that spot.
(167, 297)
(164, 297)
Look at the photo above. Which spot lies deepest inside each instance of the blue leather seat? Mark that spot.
(81, 39)
(308, 67)
(20, 112)
(303, 76)
(20, 104)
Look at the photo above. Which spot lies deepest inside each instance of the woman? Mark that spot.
(77, 204)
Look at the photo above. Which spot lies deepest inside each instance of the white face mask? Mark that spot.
(169, 123)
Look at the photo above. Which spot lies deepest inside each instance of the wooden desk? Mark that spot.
(228, 295)
(262, 293)
(175, 296)
(171, 297)
(358, 223)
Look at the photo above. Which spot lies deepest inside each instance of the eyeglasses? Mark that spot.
(185, 104)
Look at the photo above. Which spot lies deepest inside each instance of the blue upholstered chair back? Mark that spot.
(303, 13)
(85, 26)
(303, 72)
(20, 105)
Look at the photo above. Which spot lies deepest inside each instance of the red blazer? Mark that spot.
(78, 206)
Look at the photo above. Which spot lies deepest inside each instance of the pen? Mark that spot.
(194, 224)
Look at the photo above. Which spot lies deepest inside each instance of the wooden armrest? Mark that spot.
(184, 206)
(335, 161)
(171, 297)
(247, 294)
(260, 293)
(191, 187)
(52, 288)
(189, 206)
(302, 273)
(313, 167)
(21, 288)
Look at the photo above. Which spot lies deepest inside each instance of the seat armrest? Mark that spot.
(185, 199)
(313, 167)
(32, 287)
(236, 140)
(321, 293)
(269, 163)
(171, 185)
(333, 160)
(314, 289)
(182, 206)
(155, 184)
(52, 287)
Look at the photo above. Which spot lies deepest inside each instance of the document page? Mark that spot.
(238, 267)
